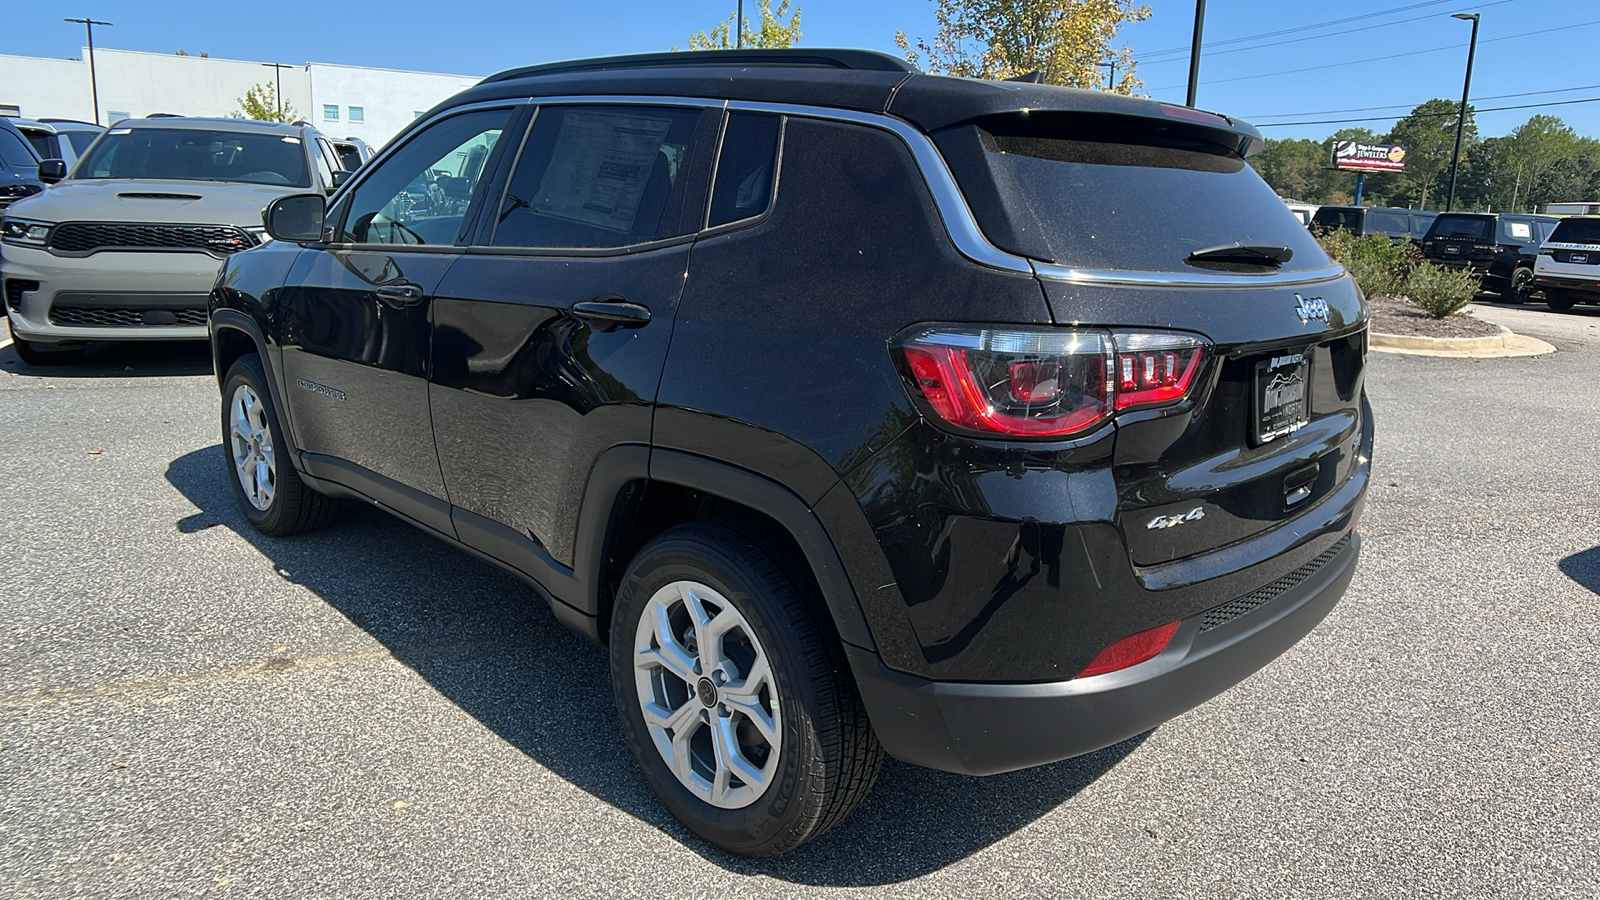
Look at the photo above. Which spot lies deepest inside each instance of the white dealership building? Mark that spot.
(342, 101)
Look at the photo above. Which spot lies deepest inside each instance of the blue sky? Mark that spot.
(1300, 78)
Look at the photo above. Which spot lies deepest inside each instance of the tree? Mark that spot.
(1065, 41)
(1428, 133)
(261, 103)
(1534, 149)
(770, 30)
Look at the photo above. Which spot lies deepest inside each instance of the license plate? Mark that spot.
(1281, 390)
(1452, 249)
(1578, 258)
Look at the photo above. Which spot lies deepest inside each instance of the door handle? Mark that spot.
(610, 311)
(404, 292)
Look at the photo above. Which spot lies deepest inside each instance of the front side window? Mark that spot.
(198, 154)
(420, 194)
(601, 177)
(16, 153)
(330, 112)
(324, 165)
(42, 144)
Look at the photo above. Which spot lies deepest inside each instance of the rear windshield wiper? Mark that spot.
(1237, 254)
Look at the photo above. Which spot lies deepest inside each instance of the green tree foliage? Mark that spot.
(1428, 133)
(1065, 41)
(767, 28)
(261, 103)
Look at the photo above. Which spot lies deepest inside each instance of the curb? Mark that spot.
(1495, 346)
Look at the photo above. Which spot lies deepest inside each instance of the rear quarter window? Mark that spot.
(1120, 203)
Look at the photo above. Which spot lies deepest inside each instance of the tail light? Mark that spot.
(1046, 383)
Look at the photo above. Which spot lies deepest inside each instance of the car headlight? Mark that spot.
(260, 234)
(22, 231)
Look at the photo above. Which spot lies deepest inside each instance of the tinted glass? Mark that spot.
(42, 143)
(349, 156)
(421, 193)
(198, 154)
(1577, 231)
(1459, 226)
(595, 177)
(1329, 217)
(1379, 222)
(16, 153)
(80, 140)
(745, 168)
(1129, 202)
(325, 168)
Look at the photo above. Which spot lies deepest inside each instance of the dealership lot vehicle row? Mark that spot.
(189, 706)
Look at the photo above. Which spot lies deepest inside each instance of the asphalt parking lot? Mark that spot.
(189, 708)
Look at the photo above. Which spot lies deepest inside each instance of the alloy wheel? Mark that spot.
(251, 445)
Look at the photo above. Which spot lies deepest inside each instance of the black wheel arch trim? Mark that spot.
(234, 320)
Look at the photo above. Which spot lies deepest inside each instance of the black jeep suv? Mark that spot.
(856, 410)
(1499, 249)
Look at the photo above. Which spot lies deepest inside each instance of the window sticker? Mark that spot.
(599, 168)
(1520, 230)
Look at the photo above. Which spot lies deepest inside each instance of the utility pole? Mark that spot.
(1461, 117)
(738, 39)
(1194, 51)
(94, 85)
(1111, 80)
(277, 70)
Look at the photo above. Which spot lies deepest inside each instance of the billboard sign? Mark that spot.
(1361, 157)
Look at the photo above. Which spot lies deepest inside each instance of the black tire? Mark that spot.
(35, 353)
(827, 756)
(1520, 288)
(1560, 301)
(293, 506)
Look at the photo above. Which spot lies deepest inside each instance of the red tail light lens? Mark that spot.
(1131, 650)
(1046, 383)
(1153, 369)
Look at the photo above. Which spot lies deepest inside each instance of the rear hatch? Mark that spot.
(1129, 216)
(1575, 247)
(1461, 237)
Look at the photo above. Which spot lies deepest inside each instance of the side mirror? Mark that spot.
(340, 176)
(52, 170)
(296, 218)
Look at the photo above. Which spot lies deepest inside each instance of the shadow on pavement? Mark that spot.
(486, 642)
(122, 359)
(1584, 568)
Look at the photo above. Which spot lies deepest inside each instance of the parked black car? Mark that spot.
(19, 165)
(1399, 224)
(833, 397)
(1499, 248)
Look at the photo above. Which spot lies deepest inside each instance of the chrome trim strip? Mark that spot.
(953, 209)
(1051, 272)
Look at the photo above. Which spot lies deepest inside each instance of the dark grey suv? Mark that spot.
(856, 410)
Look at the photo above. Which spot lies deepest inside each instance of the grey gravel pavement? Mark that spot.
(190, 709)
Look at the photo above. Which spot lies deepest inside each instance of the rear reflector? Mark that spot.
(1131, 650)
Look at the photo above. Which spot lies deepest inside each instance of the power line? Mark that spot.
(1251, 37)
(1325, 112)
(1429, 115)
(1317, 37)
(1357, 62)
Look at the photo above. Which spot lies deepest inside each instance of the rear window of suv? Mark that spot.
(198, 154)
(1457, 226)
(1577, 231)
(1115, 198)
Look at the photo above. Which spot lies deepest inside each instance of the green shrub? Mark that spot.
(1380, 266)
(1442, 292)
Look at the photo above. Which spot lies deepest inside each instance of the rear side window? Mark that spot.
(1116, 195)
(1519, 232)
(1577, 231)
(1387, 223)
(80, 140)
(1472, 227)
(41, 142)
(1347, 219)
(596, 177)
(745, 169)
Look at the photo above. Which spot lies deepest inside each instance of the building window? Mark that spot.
(358, 114)
(330, 112)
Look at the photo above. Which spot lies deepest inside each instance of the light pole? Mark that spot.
(278, 91)
(1194, 51)
(94, 86)
(738, 39)
(1461, 117)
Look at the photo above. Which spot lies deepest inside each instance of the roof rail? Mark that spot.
(68, 122)
(862, 60)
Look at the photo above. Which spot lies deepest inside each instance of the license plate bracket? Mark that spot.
(1282, 392)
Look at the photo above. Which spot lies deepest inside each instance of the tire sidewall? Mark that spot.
(757, 829)
(248, 370)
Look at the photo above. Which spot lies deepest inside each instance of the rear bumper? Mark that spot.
(983, 729)
(1579, 285)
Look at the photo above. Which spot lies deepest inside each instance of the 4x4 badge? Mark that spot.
(1174, 521)
(1311, 309)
